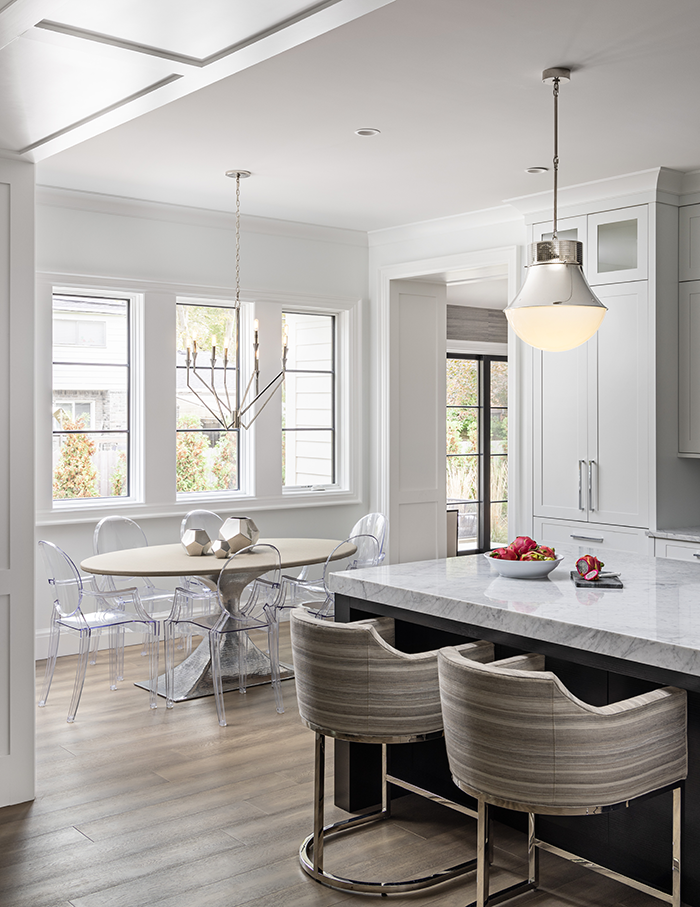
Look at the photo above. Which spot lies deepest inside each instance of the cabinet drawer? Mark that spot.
(592, 537)
(681, 551)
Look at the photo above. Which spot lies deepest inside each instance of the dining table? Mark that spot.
(193, 675)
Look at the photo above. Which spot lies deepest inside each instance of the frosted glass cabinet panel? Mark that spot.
(618, 245)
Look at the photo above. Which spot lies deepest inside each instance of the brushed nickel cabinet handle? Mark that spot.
(586, 538)
(591, 463)
(580, 484)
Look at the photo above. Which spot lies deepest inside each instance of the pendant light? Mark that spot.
(556, 309)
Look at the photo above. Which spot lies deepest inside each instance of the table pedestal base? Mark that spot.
(193, 678)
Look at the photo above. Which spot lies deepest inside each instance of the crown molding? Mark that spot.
(659, 184)
(454, 224)
(56, 197)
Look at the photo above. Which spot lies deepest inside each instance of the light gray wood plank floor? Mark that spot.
(137, 807)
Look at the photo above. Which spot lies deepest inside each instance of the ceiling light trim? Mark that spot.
(184, 59)
(149, 89)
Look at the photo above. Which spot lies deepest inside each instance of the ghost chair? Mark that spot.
(304, 587)
(243, 605)
(118, 533)
(204, 597)
(318, 597)
(77, 610)
(517, 738)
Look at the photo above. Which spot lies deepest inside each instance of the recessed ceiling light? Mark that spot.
(367, 130)
(536, 169)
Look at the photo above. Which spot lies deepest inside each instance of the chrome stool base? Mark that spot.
(311, 850)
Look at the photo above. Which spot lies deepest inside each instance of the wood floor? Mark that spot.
(137, 807)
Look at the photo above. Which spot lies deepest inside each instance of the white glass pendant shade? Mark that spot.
(556, 309)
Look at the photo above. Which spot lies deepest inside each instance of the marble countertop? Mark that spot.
(686, 534)
(654, 620)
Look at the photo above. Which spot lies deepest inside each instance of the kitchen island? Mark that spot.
(605, 644)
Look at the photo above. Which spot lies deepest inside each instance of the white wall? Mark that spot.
(156, 248)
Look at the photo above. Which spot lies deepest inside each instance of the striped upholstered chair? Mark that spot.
(543, 751)
(352, 684)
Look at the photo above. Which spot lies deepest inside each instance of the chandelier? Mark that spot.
(232, 406)
(555, 309)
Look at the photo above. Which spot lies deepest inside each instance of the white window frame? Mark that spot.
(153, 494)
(135, 397)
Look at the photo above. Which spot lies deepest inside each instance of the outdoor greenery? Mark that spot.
(75, 475)
(463, 433)
(117, 481)
(199, 465)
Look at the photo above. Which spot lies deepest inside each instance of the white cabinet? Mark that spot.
(681, 551)
(689, 243)
(591, 419)
(618, 246)
(689, 369)
(592, 538)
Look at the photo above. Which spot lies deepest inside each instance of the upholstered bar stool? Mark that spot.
(352, 684)
(517, 738)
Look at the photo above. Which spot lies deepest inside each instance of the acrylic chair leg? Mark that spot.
(482, 850)
(50, 663)
(215, 650)
(242, 661)
(274, 648)
(169, 645)
(83, 655)
(386, 792)
(153, 646)
(94, 649)
(113, 657)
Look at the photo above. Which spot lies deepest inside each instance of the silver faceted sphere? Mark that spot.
(239, 532)
(196, 542)
(220, 548)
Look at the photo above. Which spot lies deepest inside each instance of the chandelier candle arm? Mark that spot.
(556, 309)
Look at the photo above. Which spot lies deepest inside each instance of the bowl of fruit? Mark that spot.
(524, 559)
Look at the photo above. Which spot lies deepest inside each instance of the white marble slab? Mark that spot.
(686, 534)
(654, 620)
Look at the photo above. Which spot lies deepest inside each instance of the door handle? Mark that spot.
(586, 538)
(580, 484)
(590, 485)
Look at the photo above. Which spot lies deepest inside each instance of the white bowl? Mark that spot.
(523, 569)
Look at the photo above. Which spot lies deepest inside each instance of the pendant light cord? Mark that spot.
(555, 160)
(238, 240)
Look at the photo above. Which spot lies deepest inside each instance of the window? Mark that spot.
(477, 450)
(207, 453)
(91, 397)
(308, 401)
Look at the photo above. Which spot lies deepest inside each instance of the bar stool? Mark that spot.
(544, 751)
(352, 684)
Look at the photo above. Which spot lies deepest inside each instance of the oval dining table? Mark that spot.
(193, 674)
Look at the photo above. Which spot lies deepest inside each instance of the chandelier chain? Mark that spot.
(238, 240)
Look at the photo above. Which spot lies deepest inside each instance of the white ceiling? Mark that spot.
(156, 100)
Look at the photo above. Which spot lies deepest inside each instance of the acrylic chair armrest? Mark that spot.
(182, 599)
(119, 598)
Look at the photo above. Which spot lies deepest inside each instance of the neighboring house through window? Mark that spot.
(91, 397)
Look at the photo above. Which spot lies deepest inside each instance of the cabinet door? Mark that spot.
(689, 369)
(560, 433)
(622, 391)
(689, 242)
(618, 246)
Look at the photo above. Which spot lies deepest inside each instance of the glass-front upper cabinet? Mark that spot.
(618, 245)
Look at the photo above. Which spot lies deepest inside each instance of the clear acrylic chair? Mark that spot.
(117, 533)
(243, 605)
(204, 597)
(78, 610)
(316, 596)
(304, 587)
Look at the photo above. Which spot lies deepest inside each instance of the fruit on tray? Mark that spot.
(524, 549)
(589, 567)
